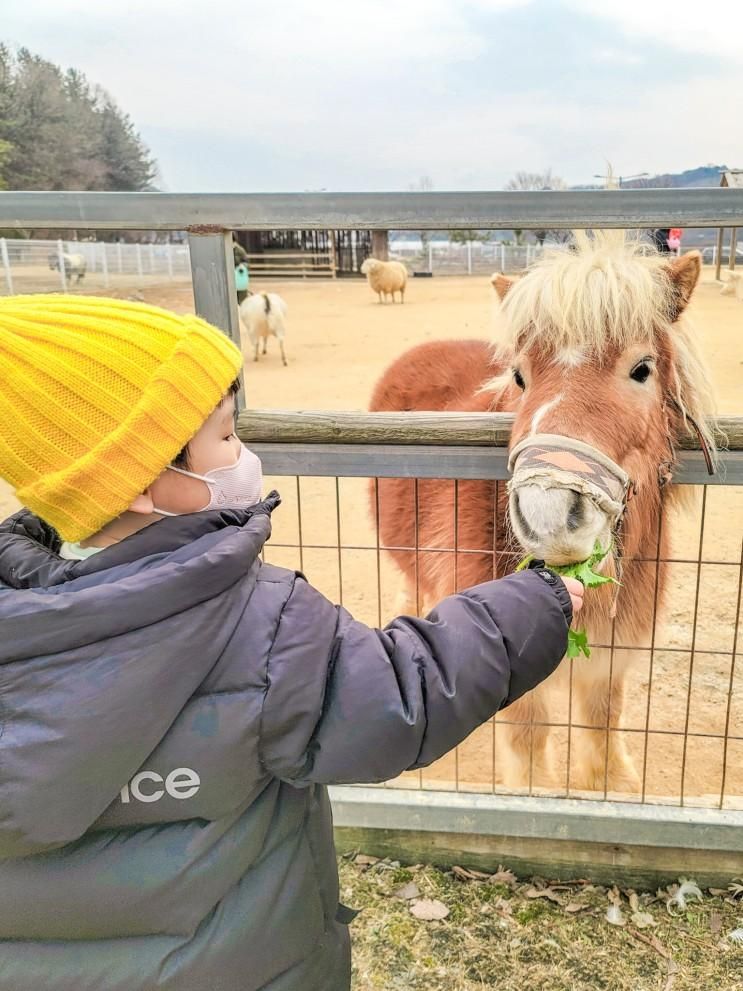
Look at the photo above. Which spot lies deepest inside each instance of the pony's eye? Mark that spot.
(519, 379)
(641, 372)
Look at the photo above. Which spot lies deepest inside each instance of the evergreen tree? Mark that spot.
(58, 132)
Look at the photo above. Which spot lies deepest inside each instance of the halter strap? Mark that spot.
(673, 403)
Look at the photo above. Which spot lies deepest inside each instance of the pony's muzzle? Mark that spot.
(559, 525)
(564, 497)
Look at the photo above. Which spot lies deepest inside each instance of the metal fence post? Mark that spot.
(469, 258)
(430, 257)
(119, 257)
(6, 265)
(140, 273)
(152, 258)
(169, 251)
(104, 264)
(60, 262)
(214, 292)
(718, 252)
(502, 257)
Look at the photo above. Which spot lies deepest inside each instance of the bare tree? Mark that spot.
(538, 181)
(424, 184)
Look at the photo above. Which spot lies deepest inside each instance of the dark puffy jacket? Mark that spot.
(170, 710)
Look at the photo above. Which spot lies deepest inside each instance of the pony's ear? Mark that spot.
(684, 273)
(501, 283)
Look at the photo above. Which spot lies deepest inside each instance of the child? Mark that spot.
(170, 708)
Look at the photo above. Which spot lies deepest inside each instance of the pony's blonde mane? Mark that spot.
(612, 291)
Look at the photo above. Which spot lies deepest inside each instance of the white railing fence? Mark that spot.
(45, 265)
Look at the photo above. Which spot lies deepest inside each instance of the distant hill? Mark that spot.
(704, 175)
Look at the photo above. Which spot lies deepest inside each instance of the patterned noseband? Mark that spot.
(552, 461)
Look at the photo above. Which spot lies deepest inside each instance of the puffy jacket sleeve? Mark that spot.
(348, 703)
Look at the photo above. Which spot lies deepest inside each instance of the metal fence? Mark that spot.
(469, 258)
(44, 265)
(686, 814)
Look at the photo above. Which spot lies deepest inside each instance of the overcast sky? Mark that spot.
(351, 95)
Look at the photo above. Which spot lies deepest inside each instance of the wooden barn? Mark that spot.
(304, 254)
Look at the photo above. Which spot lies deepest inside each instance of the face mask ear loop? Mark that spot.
(190, 474)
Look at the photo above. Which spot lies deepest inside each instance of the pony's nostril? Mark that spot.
(576, 515)
(520, 519)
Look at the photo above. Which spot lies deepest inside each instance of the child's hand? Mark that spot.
(575, 589)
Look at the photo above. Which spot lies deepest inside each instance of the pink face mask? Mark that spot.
(237, 486)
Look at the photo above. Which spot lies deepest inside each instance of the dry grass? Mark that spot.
(496, 936)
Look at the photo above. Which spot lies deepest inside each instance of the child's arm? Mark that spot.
(348, 703)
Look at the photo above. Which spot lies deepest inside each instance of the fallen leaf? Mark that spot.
(614, 896)
(643, 919)
(575, 907)
(503, 876)
(429, 910)
(718, 892)
(656, 944)
(467, 875)
(715, 922)
(364, 861)
(736, 936)
(634, 901)
(736, 887)
(503, 906)
(407, 891)
(544, 893)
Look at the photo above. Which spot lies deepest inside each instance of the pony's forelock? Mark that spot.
(610, 292)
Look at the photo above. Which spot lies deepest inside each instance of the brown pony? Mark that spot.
(595, 349)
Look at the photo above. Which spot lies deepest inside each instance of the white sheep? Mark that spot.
(386, 278)
(263, 315)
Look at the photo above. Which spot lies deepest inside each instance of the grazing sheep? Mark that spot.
(73, 265)
(263, 315)
(386, 278)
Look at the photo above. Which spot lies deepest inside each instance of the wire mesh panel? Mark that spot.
(653, 716)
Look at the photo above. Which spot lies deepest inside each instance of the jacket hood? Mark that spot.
(98, 657)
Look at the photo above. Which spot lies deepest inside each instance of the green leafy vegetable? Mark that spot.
(578, 643)
(584, 573)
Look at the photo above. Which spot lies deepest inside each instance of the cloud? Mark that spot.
(681, 24)
(370, 96)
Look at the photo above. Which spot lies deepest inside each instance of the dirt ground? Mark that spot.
(339, 341)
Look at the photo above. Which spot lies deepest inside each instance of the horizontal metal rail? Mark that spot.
(209, 212)
(412, 461)
(425, 445)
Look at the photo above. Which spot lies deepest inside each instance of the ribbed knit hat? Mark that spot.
(97, 396)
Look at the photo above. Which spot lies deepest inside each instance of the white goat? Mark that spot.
(73, 264)
(263, 315)
(386, 278)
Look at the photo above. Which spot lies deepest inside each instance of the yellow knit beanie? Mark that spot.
(97, 396)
